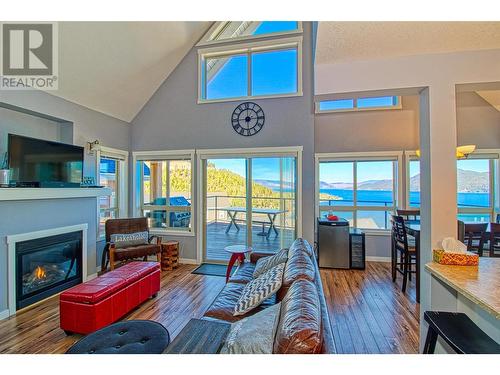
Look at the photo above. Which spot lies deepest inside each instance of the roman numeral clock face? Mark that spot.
(248, 119)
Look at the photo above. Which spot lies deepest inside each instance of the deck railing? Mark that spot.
(215, 203)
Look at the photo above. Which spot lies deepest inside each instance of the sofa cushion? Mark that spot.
(299, 327)
(254, 334)
(129, 239)
(301, 245)
(299, 266)
(265, 264)
(223, 306)
(259, 289)
(136, 251)
(244, 274)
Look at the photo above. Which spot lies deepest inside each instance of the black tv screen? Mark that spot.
(34, 160)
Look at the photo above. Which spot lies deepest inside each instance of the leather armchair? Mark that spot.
(111, 254)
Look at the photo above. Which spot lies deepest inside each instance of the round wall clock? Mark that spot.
(248, 119)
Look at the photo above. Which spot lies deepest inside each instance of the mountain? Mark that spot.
(468, 182)
(274, 184)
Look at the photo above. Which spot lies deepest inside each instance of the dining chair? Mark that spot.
(474, 237)
(498, 218)
(409, 214)
(494, 240)
(401, 247)
(461, 230)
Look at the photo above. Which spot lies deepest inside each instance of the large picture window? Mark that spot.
(253, 70)
(476, 194)
(165, 191)
(362, 190)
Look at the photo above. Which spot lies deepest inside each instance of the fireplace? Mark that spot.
(46, 266)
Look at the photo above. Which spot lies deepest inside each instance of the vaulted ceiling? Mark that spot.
(115, 67)
(348, 41)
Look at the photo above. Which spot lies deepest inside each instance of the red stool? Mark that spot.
(237, 254)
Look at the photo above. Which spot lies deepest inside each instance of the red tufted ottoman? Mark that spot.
(96, 303)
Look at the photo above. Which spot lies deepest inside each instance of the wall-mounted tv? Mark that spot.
(37, 162)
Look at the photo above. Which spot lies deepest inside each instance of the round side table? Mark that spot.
(237, 254)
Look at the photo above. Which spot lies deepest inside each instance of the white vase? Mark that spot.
(4, 177)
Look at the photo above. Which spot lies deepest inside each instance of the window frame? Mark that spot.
(219, 25)
(355, 108)
(138, 204)
(493, 155)
(270, 45)
(354, 157)
(122, 182)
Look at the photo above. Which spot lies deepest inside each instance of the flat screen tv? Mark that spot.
(36, 162)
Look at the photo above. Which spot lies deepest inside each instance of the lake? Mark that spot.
(375, 219)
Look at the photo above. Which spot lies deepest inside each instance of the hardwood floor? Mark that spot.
(182, 296)
(368, 313)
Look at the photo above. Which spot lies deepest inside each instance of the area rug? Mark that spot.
(212, 269)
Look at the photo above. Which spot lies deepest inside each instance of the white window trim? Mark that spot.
(164, 155)
(122, 156)
(362, 156)
(248, 48)
(317, 110)
(216, 27)
(203, 154)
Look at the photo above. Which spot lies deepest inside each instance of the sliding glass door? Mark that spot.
(248, 200)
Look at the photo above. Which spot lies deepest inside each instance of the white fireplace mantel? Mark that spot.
(11, 253)
(19, 194)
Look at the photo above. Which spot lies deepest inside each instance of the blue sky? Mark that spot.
(262, 168)
(272, 72)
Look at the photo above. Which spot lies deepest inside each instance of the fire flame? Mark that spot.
(40, 273)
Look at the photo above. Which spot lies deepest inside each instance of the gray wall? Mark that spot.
(478, 122)
(31, 126)
(88, 125)
(29, 216)
(386, 130)
(173, 120)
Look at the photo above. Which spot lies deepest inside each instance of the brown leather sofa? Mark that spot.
(304, 325)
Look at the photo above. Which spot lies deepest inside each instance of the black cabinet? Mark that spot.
(357, 249)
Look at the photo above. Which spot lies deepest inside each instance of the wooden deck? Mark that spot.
(368, 313)
(218, 239)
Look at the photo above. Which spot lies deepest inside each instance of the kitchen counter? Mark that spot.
(479, 284)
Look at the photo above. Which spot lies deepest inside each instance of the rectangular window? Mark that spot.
(109, 177)
(362, 191)
(359, 104)
(165, 192)
(475, 192)
(251, 71)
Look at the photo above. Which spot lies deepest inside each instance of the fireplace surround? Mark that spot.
(44, 263)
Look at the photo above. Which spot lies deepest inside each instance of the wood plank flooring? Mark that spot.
(368, 313)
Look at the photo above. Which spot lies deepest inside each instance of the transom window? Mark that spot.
(164, 191)
(359, 104)
(363, 190)
(237, 30)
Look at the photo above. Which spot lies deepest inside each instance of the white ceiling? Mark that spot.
(115, 67)
(349, 41)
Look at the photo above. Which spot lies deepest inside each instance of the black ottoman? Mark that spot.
(127, 337)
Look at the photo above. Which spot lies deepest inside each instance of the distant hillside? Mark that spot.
(468, 182)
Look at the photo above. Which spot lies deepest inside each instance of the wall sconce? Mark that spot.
(94, 146)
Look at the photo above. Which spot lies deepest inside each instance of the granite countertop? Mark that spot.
(480, 284)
